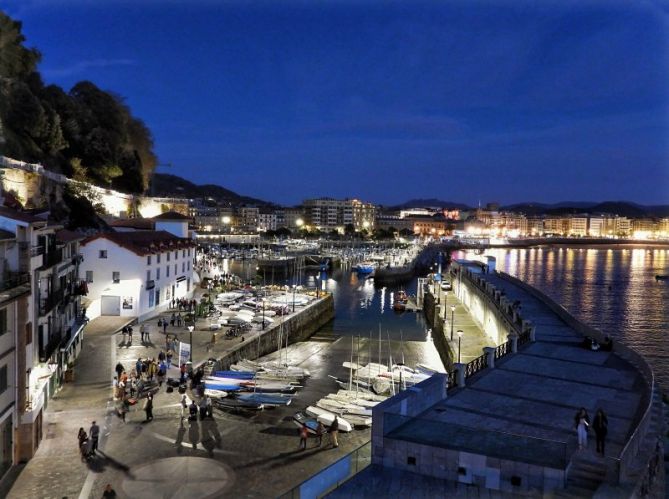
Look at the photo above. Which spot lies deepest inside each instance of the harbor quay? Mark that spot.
(503, 424)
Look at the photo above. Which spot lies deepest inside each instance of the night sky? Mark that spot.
(458, 100)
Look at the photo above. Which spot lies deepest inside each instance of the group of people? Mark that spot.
(192, 410)
(600, 425)
(592, 344)
(88, 442)
(333, 431)
(183, 305)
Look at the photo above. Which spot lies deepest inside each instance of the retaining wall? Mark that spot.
(298, 327)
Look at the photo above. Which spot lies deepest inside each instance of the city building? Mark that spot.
(267, 221)
(328, 214)
(136, 274)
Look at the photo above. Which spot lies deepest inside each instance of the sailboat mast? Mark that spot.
(350, 371)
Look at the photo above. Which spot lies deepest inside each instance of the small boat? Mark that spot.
(661, 277)
(226, 387)
(266, 398)
(364, 268)
(327, 417)
(235, 404)
(215, 394)
(301, 420)
(234, 374)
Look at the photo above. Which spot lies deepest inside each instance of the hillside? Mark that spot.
(167, 185)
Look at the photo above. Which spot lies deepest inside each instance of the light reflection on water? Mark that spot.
(611, 289)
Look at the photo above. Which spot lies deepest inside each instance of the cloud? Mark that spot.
(83, 66)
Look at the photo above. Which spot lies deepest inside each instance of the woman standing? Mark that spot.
(601, 426)
(581, 423)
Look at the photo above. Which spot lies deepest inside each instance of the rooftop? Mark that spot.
(144, 243)
(172, 215)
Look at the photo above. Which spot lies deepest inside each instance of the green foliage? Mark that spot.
(52, 127)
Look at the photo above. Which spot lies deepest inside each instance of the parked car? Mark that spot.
(446, 286)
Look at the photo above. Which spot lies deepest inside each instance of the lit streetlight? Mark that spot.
(190, 331)
(460, 333)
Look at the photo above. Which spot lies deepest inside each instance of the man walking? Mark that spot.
(94, 434)
(141, 332)
(148, 407)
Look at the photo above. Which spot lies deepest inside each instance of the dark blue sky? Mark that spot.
(460, 100)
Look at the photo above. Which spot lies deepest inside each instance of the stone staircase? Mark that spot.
(586, 474)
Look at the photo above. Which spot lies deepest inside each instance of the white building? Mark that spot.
(136, 274)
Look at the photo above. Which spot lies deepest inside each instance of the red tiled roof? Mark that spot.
(19, 215)
(144, 243)
(171, 215)
(134, 223)
(67, 236)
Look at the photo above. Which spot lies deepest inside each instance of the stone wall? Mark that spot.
(298, 327)
(431, 312)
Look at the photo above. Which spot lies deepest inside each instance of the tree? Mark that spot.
(16, 61)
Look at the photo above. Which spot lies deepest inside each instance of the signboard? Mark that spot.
(184, 352)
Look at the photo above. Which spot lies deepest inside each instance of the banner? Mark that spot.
(184, 352)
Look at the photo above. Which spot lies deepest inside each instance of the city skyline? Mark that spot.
(495, 102)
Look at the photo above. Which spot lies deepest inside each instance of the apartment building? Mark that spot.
(327, 214)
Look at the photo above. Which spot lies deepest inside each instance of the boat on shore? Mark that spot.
(228, 403)
(327, 417)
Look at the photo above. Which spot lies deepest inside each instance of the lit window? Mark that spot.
(103, 253)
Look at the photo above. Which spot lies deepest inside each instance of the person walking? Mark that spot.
(334, 432)
(203, 408)
(148, 407)
(320, 429)
(581, 423)
(141, 332)
(108, 492)
(124, 331)
(304, 434)
(168, 358)
(165, 326)
(94, 433)
(184, 406)
(119, 370)
(82, 437)
(601, 427)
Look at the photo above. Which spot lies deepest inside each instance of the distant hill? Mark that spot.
(167, 185)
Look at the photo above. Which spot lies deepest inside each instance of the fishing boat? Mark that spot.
(364, 268)
(327, 417)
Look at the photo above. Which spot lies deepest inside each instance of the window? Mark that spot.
(158, 258)
(183, 266)
(158, 274)
(89, 276)
(188, 251)
(103, 253)
(167, 271)
(152, 298)
(183, 254)
(3, 321)
(189, 265)
(148, 275)
(148, 260)
(3, 378)
(116, 277)
(176, 255)
(176, 268)
(168, 256)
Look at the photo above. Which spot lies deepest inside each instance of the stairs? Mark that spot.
(586, 474)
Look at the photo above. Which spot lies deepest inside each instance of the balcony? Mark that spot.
(54, 342)
(52, 258)
(32, 250)
(52, 299)
(12, 280)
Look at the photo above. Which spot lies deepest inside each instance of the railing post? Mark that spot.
(533, 334)
(513, 337)
(490, 353)
(460, 369)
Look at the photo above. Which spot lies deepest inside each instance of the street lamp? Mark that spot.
(318, 277)
(452, 316)
(294, 297)
(460, 333)
(190, 330)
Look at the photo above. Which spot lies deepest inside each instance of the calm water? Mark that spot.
(613, 290)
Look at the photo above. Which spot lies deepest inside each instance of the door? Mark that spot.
(110, 305)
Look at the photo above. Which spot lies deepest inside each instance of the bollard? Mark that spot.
(460, 369)
(490, 353)
(513, 336)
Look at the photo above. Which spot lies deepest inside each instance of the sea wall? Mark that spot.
(297, 327)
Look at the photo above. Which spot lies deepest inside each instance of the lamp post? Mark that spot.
(294, 297)
(190, 331)
(460, 333)
(318, 278)
(452, 317)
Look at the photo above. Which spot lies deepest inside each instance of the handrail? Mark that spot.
(476, 365)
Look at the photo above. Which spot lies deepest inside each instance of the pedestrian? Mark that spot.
(124, 331)
(161, 355)
(109, 492)
(168, 358)
(129, 336)
(581, 423)
(94, 433)
(320, 429)
(148, 407)
(160, 322)
(182, 379)
(141, 332)
(82, 437)
(203, 408)
(179, 319)
(173, 319)
(210, 408)
(601, 426)
(138, 367)
(172, 303)
(192, 411)
(334, 431)
(304, 434)
(147, 332)
(119, 369)
(184, 405)
(165, 326)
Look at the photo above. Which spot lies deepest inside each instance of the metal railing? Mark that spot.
(476, 365)
(14, 279)
(524, 338)
(333, 476)
(502, 350)
(52, 299)
(452, 380)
